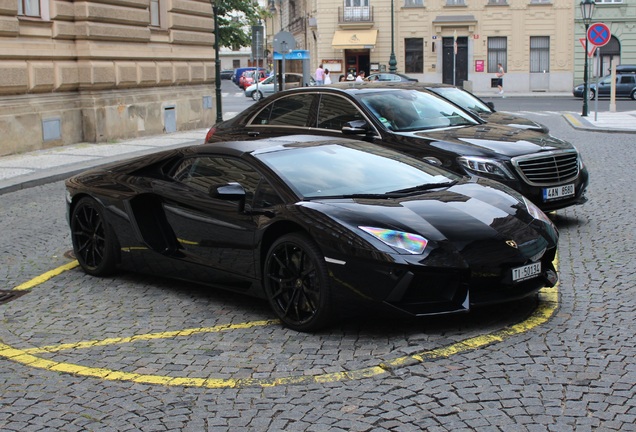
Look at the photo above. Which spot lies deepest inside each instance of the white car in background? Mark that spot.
(266, 87)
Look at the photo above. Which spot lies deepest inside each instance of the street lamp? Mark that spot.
(392, 60)
(587, 10)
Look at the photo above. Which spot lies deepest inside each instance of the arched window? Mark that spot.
(609, 54)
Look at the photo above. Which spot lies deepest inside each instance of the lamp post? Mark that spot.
(392, 60)
(217, 65)
(587, 10)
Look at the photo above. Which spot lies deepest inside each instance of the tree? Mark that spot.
(236, 18)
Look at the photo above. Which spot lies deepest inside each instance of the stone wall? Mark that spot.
(98, 71)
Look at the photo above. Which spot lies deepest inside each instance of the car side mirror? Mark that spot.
(355, 127)
(230, 192)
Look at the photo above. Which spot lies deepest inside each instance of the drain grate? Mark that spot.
(7, 296)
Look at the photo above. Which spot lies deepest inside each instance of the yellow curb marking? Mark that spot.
(548, 304)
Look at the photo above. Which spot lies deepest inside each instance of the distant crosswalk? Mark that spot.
(233, 94)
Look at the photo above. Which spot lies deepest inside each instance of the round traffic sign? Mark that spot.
(599, 34)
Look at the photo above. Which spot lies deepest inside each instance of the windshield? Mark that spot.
(403, 110)
(352, 170)
(462, 98)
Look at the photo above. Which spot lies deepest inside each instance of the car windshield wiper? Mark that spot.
(423, 187)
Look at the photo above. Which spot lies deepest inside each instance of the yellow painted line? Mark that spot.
(575, 121)
(548, 304)
(149, 336)
(46, 276)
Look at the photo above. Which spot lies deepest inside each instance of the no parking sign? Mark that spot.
(599, 34)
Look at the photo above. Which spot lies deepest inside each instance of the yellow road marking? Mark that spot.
(46, 276)
(548, 304)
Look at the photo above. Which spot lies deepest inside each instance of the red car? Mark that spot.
(247, 79)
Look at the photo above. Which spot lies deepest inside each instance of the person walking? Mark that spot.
(500, 74)
(327, 77)
(320, 75)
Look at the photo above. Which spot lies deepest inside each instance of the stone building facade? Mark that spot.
(103, 70)
(458, 41)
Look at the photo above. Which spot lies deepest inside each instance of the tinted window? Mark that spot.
(317, 171)
(627, 79)
(335, 111)
(286, 111)
(202, 173)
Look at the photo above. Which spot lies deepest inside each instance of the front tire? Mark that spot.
(296, 283)
(257, 95)
(633, 95)
(592, 95)
(94, 242)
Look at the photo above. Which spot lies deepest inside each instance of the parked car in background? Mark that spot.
(302, 220)
(390, 77)
(485, 110)
(238, 73)
(411, 119)
(625, 84)
(227, 74)
(250, 77)
(266, 87)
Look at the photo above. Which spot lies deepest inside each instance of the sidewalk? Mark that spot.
(44, 166)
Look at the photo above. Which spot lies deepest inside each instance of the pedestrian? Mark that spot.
(500, 74)
(341, 78)
(360, 77)
(327, 77)
(320, 75)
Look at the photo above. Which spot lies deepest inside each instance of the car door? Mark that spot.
(211, 231)
(625, 85)
(290, 114)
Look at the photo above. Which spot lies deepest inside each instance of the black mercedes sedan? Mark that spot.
(485, 110)
(313, 225)
(414, 120)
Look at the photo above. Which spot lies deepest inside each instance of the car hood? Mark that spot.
(511, 120)
(457, 219)
(491, 140)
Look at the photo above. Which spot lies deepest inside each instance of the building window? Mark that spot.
(29, 8)
(455, 3)
(497, 53)
(540, 1)
(413, 3)
(497, 2)
(414, 55)
(357, 10)
(155, 15)
(539, 54)
(609, 1)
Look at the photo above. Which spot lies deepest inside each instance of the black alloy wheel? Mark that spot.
(297, 283)
(94, 243)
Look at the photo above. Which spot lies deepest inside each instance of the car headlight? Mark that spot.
(481, 166)
(411, 243)
(536, 212)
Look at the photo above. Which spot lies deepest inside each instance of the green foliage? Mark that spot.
(236, 18)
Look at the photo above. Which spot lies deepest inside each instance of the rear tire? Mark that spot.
(94, 242)
(592, 95)
(633, 95)
(296, 283)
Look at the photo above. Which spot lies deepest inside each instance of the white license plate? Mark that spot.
(558, 192)
(526, 272)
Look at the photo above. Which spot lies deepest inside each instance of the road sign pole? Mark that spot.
(586, 86)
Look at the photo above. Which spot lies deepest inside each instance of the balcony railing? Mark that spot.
(355, 14)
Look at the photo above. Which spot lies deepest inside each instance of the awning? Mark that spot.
(352, 39)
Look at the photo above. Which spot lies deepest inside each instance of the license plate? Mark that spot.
(558, 192)
(526, 272)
